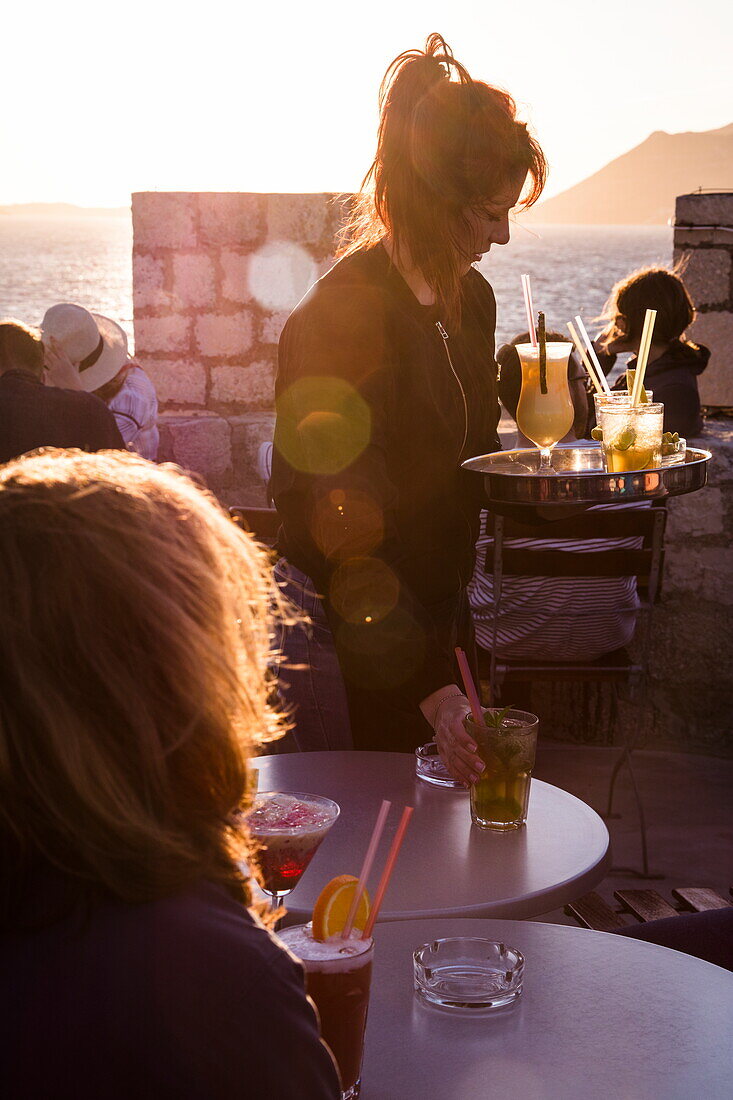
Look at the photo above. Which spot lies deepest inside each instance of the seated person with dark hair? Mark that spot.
(551, 618)
(674, 363)
(34, 415)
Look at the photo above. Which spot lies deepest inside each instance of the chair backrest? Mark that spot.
(645, 564)
(262, 522)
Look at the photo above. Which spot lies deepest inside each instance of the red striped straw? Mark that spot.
(527, 291)
(366, 867)
(387, 872)
(471, 693)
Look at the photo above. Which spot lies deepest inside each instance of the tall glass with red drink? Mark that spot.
(338, 977)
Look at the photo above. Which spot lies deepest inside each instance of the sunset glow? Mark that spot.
(283, 98)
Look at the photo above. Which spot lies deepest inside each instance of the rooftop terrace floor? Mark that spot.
(688, 802)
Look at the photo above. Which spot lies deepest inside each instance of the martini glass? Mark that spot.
(289, 829)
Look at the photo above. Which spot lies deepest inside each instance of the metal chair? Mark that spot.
(617, 667)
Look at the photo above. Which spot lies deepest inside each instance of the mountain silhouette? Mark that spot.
(640, 187)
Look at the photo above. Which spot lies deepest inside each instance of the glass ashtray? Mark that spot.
(431, 769)
(468, 973)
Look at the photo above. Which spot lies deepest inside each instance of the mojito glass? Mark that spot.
(500, 797)
(632, 436)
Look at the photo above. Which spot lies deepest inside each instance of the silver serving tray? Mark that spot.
(578, 477)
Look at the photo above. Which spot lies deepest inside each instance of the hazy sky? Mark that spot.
(103, 99)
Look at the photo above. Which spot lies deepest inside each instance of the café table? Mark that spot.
(446, 866)
(600, 1016)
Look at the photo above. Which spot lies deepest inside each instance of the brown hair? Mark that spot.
(648, 288)
(20, 347)
(447, 144)
(134, 636)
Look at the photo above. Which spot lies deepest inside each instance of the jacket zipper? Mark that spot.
(444, 335)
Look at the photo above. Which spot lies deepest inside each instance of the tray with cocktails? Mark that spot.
(633, 461)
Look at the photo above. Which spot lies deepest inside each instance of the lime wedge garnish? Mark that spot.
(625, 439)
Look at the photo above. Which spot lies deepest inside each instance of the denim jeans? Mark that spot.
(309, 677)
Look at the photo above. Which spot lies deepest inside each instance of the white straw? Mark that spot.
(643, 356)
(527, 291)
(584, 356)
(592, 354)
(366, 867)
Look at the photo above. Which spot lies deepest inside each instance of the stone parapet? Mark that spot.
(215, 276)
(703, 245)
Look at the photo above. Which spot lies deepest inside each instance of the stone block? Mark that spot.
(163, 219)
(252, 386)
(249, 432)
(715, 208)
(221, 334)
(231, 218)
(154, 335)
(701, 571)
(692, 237)
(706, 272)
(280, 273)
(148, 283)
(715, 329)
(194, 280)
(235, 276)
(303, 219)
(272, 325)
(200, 444)
(178, 382)
(694, 515)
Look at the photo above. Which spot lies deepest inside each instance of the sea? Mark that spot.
(88, 260)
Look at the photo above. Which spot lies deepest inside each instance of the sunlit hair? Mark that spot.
(20, 347)
(134, 635)
(648, 288)
(447, 147)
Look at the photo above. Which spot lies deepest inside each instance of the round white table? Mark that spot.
(446, 867)
(600, 1017)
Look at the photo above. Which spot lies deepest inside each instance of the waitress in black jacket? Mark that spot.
(386, 383)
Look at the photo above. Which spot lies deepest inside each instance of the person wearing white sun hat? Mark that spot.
(88, 351)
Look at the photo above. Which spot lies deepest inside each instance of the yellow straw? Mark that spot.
(641, 362)
(584, 356)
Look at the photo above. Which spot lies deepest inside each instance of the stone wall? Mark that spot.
(703, 241)
(215, 276)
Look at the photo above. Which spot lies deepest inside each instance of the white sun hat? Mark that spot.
(96, 345)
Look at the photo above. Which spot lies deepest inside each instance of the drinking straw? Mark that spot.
(584, 356)
(387, 872)
(470, 687)
(592, 354)
(542, 337)
(527, 291)
(641, 362)
(366, 867)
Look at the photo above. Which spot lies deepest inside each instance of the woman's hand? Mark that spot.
(60, 371)
(456, 747)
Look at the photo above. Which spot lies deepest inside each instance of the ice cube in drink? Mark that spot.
(500, 797)
(338, 977)
(289, 829)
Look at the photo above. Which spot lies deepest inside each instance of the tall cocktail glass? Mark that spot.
(338, 978)
(545, 417)
(289, 829)
(632, 436)
(500, 798)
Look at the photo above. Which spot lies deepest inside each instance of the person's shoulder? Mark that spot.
(479, 286)
(355, 281)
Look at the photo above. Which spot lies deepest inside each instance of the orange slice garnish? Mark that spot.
(333, 905)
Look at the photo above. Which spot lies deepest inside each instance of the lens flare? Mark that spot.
(364, 590)
(347, 523)
(279, 275)
(383, 655)
(323, 425)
